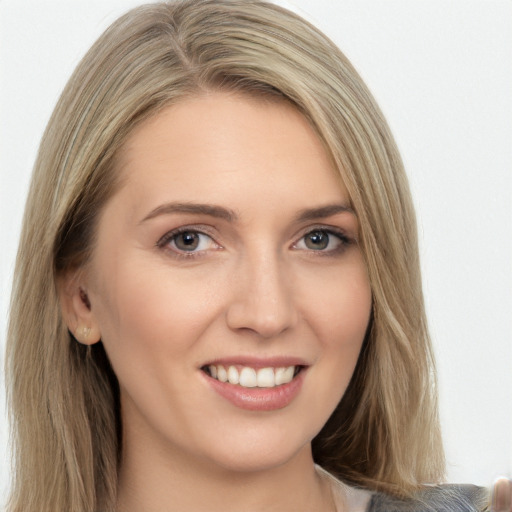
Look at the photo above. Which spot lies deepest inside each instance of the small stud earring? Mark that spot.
(83, 332)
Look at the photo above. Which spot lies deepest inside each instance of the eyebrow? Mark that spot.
(194, 208)
(229, 215)
(323, 211)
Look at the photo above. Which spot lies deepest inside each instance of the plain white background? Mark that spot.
(442, 73)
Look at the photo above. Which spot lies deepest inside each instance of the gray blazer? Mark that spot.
(442, 498)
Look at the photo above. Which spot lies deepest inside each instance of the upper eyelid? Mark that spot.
(345, 239)
(336, 230)
(211, 232)
(163, 244)
(201, 229)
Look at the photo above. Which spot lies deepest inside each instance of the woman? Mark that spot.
(224, 287)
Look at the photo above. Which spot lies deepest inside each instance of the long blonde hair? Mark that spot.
(63, 397)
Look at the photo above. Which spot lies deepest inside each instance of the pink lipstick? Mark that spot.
(255, 384)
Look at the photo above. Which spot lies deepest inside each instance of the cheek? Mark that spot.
(150, 324)
(341, 308)
(152, 313)
(341, 317)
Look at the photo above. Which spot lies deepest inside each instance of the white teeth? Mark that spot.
(279, 379)
(266, 378)
(233, 376)
(288, 374)
(222, 374)
(250, 378)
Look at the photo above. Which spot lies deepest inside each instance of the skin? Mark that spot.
(502, 495)
(255, 285)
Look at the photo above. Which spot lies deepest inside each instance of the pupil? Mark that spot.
(317, 240)
(187, 241)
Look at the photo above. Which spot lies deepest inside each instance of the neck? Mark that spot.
(169, 481)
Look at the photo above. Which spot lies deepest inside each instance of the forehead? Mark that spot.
(210, 145)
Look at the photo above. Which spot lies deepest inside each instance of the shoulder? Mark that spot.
(440, 498)
(431, 498)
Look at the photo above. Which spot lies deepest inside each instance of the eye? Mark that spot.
(187, 241)
(322, 240)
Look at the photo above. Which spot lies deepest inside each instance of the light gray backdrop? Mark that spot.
(442, 73)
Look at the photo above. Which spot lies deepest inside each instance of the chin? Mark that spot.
(261, 451)
(255, 461)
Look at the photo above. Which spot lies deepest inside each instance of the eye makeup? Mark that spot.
(190, 241)
(195, 241)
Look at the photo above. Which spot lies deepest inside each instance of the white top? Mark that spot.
(345, 497)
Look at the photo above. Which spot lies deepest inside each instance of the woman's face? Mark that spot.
(229, 252)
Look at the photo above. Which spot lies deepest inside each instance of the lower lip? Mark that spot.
(259, 399)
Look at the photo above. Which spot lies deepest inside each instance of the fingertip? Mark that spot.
(502, 495)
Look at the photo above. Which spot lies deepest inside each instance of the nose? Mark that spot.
(263, 301)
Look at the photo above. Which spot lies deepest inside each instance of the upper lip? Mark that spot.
(258, 362)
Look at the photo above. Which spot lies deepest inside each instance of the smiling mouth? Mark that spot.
(248, 377)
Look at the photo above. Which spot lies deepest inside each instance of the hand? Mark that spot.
(502, 496)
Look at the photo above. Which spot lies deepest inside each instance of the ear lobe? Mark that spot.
(76, 309)
(86, 335)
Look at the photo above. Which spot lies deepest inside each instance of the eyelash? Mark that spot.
(163, 243)
(344, 240)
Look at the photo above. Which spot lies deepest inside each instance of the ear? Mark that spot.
(76, 308)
